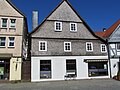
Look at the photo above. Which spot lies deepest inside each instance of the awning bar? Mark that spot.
(95, 60)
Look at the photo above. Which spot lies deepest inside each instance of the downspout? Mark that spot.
(109, 57)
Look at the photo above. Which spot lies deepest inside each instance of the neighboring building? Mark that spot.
(112, 35)
(63, 44)
(13, 41)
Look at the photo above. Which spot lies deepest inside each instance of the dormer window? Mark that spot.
(73, 27)
(58, 26)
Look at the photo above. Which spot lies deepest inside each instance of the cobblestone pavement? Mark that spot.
(99, 84)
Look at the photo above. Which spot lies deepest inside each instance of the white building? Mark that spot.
(63, 45)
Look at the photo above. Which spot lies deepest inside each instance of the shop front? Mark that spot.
(97, 67)
(4, 69)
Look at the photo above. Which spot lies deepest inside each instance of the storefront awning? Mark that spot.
(95, 60)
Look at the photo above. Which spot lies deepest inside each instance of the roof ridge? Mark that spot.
(90, 30)
(112, 28)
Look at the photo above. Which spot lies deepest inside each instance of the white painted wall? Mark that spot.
(114, 66)
(58, 64)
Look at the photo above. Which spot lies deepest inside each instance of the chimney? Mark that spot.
(34, 19)
(104, 29)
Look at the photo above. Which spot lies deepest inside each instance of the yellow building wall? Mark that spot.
(15, 69)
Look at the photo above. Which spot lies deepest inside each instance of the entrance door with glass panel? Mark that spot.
(71, 68)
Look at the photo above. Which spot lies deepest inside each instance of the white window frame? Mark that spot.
(67, 46)
(12, 25)
(9, 41)
(75, 27)
(3, 41)
(56, 26)
(102, 48)
(2, 23)
(45, 45)
(91, 46)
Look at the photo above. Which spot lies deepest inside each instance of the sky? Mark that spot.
(98, 14)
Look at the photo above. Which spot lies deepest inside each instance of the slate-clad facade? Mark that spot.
(72, 50)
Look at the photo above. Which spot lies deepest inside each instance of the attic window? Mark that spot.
(58, 26)
(73, 27)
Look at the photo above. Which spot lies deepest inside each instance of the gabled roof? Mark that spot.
(75, 13)
(109, 31)
(100, 34)
(15, 7)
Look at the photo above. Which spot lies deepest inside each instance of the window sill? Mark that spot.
(13, 28)
(42, 50)
(58, 30)
(89, 51)
(11, 47)
(68, 51)
(3, 28)
(73, 31)
(2, 46)
(103, 52)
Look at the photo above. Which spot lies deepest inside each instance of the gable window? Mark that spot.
(2, 41)
(89, 46)
(73, 27)
(118, 46)
(12, 23)
(58, 26)
(103, 48)
(4, 23)
(42, 46)
(67, 46)
(11, 42)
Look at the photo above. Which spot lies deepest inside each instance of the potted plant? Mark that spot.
(118, 75)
